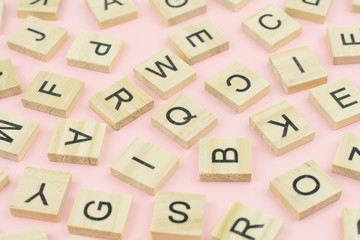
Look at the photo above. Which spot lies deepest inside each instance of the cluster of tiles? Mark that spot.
(304, 190)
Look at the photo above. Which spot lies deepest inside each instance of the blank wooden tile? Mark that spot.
(121, 103)
(41, 194)
(80, 238)
(53, 93)
(198, 41)
(338, 102)
(145, 166)
(2, 10)
(184, 120)
(315, 11)
(258, 225)
(77, 142)
(225, 160)
(9, 81)
(234, 5)
(44, 9)
(282, 127)
(351, 223)
(237, 86)
(16, 135)
(165, 73)
(178, 216)
(37, 38)
(95, 51)
(271, 28)
(305, 189)
(4, 180)
(173, 12)
(297, 69)
(30, 234)
(347, 159)
(344, 44)
(355, 5)
(111, 13)
(100, 214)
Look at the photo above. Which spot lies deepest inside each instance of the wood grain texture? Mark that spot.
(44, 9)
(9, 80)
(234, 5)
(308, 10)
(4, 180)
(350, 222)
(30, 234)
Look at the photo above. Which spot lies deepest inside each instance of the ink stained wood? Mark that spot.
(234, 5)
(29, 234)
(4, 180)
(315, 11)
(44, 9)
(9, 80)
(350, 222)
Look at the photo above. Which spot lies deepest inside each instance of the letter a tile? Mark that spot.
(271, 28)
(4, 180)
(225, 160)
(184, 120)
(77, 142)
(145, 166)
(40, 194)
(305, 189)
(9, 81)
(44, 9)
(53, 93)
(178, 216)
(241, 221)
(355, 5)
(95, 51)
(351, 223)
(234, 5)
(198, 41)
(37, 38)
(30, 234)
(338, 102)
(282, 127)
(100, 214)
(315, 11)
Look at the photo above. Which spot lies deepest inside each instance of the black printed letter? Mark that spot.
(143, 163)
(353, 42)
(224, 155)
(186, 119)
(36, 1)
(11, 126)
(98, 46)
(41, 37)
(285, 125)
(267, 27)
(338, 99)
(353, 151)
(120, 99)
(186, 217)
(197, 34)
(40, 193)
(316, 3)
(107, 204)
(248, 83)
(247, 227)
(109, 3)
(298, 65)
(159, 64)
(176, 6)
(317, 185)
(50, 92)
(76, 137)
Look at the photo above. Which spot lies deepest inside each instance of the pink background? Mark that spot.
(144, 37)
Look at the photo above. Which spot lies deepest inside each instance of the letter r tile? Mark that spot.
(241, 221)
(40, 194)
(100, 214)
(305, 189)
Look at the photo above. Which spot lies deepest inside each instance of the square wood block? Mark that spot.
(9, 81)
(77, 142)
(95, 51)
(305, 189)
(29, 234)
(100, 214)
(297, 69)
(234, 5)
(271, 28)
(165, 73)
(225, 160)
(145, 166)
(41, 194)
(178, 216)
(351, 223)
(53, 93)
(184, 120)
(44, 9)
(198, 41)
(282, 128)
(37, 38)
(355, 5)
(121, 103)
(237, 86)
(337, 101)
(315, 11)
(258, 225)
(4, 180)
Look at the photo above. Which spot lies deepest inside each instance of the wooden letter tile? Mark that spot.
(237, 86)
(305, 189)
(30, 234)
(77, 142)
(37, 38)
(165, 73)
(258, 225)
(347, 159)
(344, 44)
(100, 214)
(234, 5)
(178, 216)
(9, 81)
(41, 194)
(173, 12)
(271, 28)
(4, 180)
(282, 127)
(95, 51)
(80, 238)
(225, 160)
(315, 11)
(198, 41)
(184, 120)
(44, 9)
(145, 166)
(351, 223)
(355, 5)
(53, 93)
(121, 103)
(297, 69)
(338, 102)
(16, 135)
(111, 13)
(2, 10)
